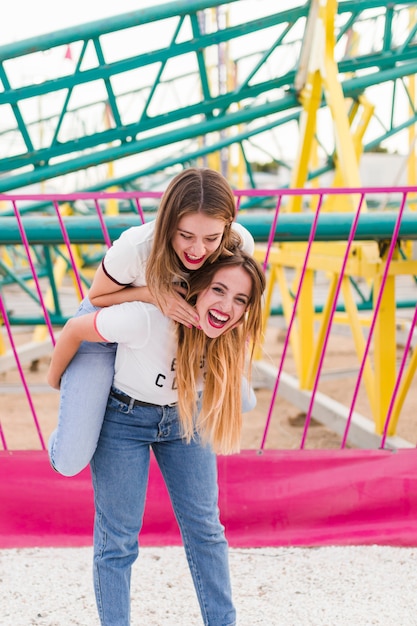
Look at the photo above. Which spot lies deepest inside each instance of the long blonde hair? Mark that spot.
(219, 419)
(194, 190)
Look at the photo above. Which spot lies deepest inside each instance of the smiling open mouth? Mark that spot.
(217, 319)
(193, 259)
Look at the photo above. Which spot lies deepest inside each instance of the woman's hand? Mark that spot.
(104, 292)
(175, 307)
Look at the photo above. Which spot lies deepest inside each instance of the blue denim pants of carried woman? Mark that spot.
(120, 468)
(84, 390)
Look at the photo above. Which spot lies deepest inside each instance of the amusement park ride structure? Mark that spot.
(183, 81)
(204, 95)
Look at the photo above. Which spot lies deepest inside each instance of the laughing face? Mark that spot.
(196, 238)
(222, 305)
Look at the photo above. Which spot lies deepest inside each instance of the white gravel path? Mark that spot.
(336, 586)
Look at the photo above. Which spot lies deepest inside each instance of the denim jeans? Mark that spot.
(85, 387)
(120, 469)
(84, 390)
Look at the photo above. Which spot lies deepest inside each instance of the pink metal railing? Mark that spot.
(361, 194)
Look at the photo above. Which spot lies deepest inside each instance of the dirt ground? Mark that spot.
(338, 378)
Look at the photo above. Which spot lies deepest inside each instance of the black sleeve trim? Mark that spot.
(111, 277)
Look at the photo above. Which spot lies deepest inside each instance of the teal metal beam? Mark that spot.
(359, 6)
(173, 136)
(195, 115)
(97, 28)
(351, 87)
(108, 70)
(290, 228)
(273, 101)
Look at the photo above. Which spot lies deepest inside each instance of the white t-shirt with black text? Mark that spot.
(146, 350)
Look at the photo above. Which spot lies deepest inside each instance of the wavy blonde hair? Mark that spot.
(219, 420)
(194, 190)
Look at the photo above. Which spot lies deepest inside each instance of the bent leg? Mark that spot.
(190, 473)
(85, 387)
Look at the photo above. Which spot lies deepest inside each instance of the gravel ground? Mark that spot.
(336, 586)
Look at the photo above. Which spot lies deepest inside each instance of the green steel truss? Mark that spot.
(173, 101)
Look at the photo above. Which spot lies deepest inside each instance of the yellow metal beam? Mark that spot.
(311, 100)
(384, 353)
(321, 335)
(305, 326)
(403, 389)
(318, 77)
(356, 326)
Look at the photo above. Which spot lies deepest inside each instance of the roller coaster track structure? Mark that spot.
(178, 83)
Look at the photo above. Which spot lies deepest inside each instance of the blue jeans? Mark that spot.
(120, 469)
(84, 391)
(85, 387)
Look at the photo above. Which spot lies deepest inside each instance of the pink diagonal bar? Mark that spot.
(272, 233)
(33, 270)
(68, 246)
(287, 337)
(21, 374)
(104, 228)
(376, 311)
(140, 210)
(399, 377)
(332, 312)
(2, 438)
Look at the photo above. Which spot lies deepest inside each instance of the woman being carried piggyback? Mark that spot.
(149, 263)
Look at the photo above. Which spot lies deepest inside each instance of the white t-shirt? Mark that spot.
(146, 351)
(125, 262)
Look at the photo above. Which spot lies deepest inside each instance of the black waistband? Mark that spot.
(123, 397)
